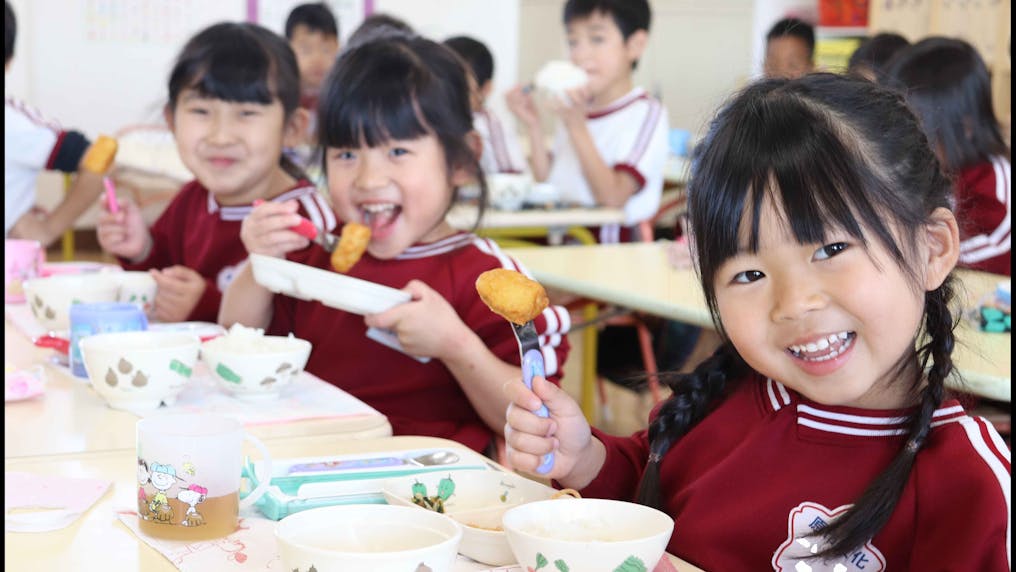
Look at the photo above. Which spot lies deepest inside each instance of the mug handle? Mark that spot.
(263, 483)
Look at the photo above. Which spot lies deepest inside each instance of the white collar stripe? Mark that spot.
(772, 395)
(860, 419)
(783, 392)
(849, 430)
(976, 437)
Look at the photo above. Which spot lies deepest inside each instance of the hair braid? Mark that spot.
(693, 395)
(874, 507)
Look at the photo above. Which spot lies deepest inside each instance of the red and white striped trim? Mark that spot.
(436, 248)
(989, 446)
(315, 205)
(32, 114)
(646, 131)
(619, 104)
(778, 395)
(999, 241)
(869, 425)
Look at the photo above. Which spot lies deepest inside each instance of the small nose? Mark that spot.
(371, 172)
(220, 130)
(793, 298)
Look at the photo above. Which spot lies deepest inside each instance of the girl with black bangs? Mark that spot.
(948, 85)
(819, 436)
(396, 127)
(233, 106)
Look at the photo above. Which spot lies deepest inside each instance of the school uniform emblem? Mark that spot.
(804, 540)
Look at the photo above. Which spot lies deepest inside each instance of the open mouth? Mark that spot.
(824, 349)
(379, 216)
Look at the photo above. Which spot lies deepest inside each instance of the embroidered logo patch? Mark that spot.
(804, 540)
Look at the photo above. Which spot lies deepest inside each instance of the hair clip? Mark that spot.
(654, 457)
(913, 445)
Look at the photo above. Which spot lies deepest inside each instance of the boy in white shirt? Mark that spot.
(501, 152)
(611, 143)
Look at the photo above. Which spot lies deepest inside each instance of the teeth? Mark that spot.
(835, 343)
(375, 208)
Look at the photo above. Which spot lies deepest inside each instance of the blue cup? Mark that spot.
(100, 318)
(679, 140)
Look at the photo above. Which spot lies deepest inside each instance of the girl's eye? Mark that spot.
(398, 151)
(830, 250)
(343, 155)
(197, 111)
(598, 39)
(249, 112)
(747, 277)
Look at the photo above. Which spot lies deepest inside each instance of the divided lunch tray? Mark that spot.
(310, 482)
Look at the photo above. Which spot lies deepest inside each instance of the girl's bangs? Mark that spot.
(361, 109)
(793, 158)
(235, 76)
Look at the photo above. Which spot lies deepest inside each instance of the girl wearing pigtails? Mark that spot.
(820, 433)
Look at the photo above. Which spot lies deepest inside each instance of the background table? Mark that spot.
(637, 276)
(71, 418)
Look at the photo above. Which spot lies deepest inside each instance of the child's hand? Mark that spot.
(565, 433)
(572, 106)
(521, 103)
(179, 291)
(123, 233)
(427, 325)
(266, 229)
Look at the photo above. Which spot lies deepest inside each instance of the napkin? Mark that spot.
(23, 383)
(39, 503)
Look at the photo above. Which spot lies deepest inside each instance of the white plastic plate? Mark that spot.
(330, 288)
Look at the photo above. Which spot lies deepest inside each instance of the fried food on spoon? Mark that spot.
(352, 244)
(511, 295)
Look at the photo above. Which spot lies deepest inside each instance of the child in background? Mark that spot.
(313, 34)
(33, 143)
(501, 152)
(233, 105)
(611, 143)
(948, 85)
(398, 144)
(819, 436)
(790, 49)
(871, 59)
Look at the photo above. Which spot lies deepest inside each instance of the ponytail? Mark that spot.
(693, 396)
(876, 504)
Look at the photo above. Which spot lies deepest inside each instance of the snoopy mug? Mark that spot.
(189, 468)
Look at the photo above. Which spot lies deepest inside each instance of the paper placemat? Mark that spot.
(39, 503)
(306, 397)
(251, 547)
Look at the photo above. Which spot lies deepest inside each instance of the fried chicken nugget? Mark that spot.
(352, 243)
(100, 155)
(511, 295)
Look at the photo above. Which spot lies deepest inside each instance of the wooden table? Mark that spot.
(71, 418)
(554, 224)
(97, 541)
(637, 276)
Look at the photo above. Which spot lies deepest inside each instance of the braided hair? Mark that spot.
(831, 152)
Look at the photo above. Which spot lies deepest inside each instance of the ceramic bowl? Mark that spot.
(136, 288)
(587, 534)
(379, 538)
(508, 191)
(255, 366)
(139, 370)
(479, 500)
(50, 298)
